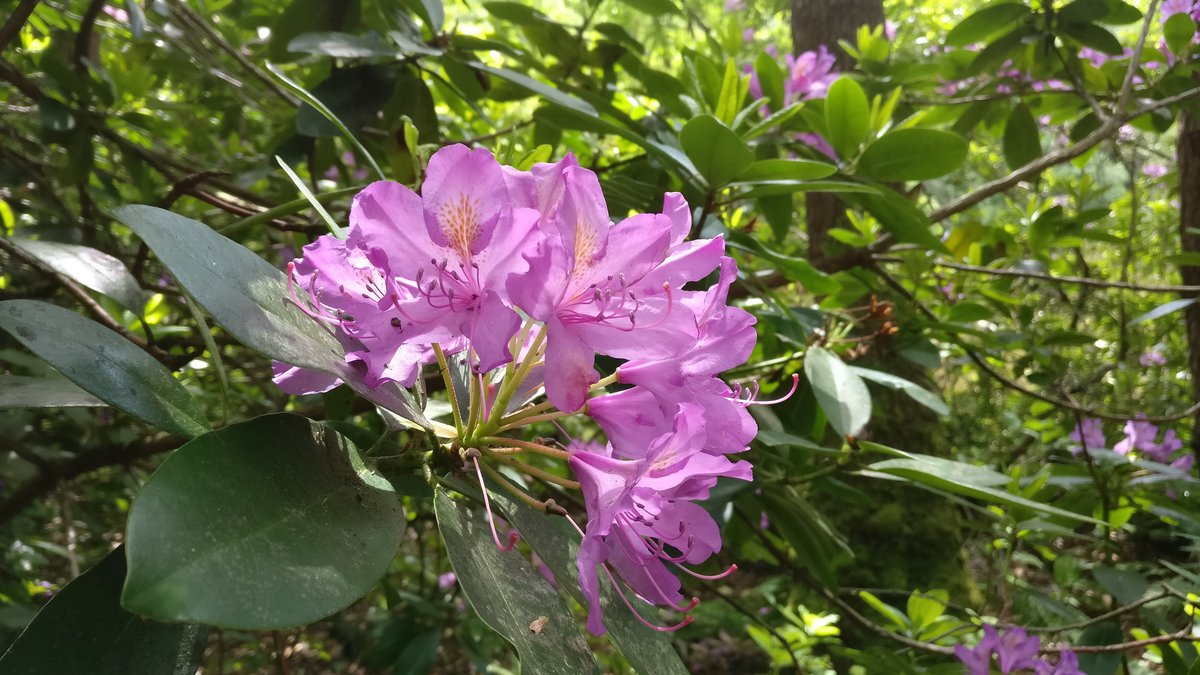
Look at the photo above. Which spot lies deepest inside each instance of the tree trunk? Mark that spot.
(816, 23)
(1188, 153)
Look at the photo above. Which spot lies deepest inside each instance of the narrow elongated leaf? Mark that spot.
(964, 479)
(509, 595)
(847, 116)
(841, 393)
(899, 216)
(339, 45)
(269, 523)
(715, 150)
(787, 169)
(43, 392)
(1164, 309)
(542, 89)
(913, 154)
(915, 391)
(97, 270)
(84, 629)
(104, 364)
(557, 544)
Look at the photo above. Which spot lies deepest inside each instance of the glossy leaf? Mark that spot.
(1163, 310)
(94, 269)
(913, 154)
(787, 169)
(43, 392)
(509, 595)
(900, 217)
(243, 292)
(715, 150)
(269, 523)
(986, 22)
(841, 392)
(84, 629)
(104, 364)
(914, 391)
(847, 116)
(557, 544)
(1179, 30)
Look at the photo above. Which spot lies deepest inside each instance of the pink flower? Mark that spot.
(1139, 435)
(1089, 433)
(1154, 170)
(809, 74)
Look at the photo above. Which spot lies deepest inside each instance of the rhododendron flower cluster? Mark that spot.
(516, 281)
(1141, 436)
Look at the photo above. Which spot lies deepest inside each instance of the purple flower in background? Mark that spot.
(1095, 56)
(809, 74)
(889, 29)
(978, 660)
(734, 5)
(747, 35)
(1068, 664)
(1154, 170)
(1088, 433)
(1139, 435)
(446, 581)
(1015, 651)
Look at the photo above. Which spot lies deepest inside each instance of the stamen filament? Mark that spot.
(710, 577)
(487, 505)
(512, 384)
(795, 384)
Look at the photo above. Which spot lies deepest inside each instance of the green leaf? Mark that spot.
(557, 544)
(729, 101)
(269, 523)
(94, 269)
(893, 615)
(1083, 11)
(1179, 31)
(1102, 663)
(1091, 35)
(915, 392)
(899, 216)
(794, 269)
(913, 154)
(1163, 310)
(653, 7)
(1022, 143)
(43, 392)
(770, 78)
(509, 595)
(965, 479)
(243, 292)
(83, 629)
(847, 117)
(716, 151)
(787, 169)
(546, 91)
(339, 46)
(307, 16)
(986, 22)
(817, 545)
(926, 607)
(841, 392)
(104, 364)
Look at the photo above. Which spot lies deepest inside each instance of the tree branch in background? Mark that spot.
(1010, 383)
(1080, 281)
(12, 26)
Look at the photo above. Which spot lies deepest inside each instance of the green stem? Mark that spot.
(534, 471)
(511, 384)
(287, 208)
(516, 491)
(523, 420)
(444, 368)
(524, 445)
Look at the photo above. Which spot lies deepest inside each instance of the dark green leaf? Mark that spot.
(986, 22)
(97, 270)
(653, 7)
(557, 544)
(104, 364)
(913, 154)
(43, 392)
(55, 116)
(1083, 11)
(546, 91)
(794, 269)
(841, 392)
(265, 524)
(353, 95)
(1179, 31)
(770, 78)
(716, 151)
(509, 595)
(431, 12)
(898, 215)
(83, 629)
(1091, 35)
(309, 16)
(787, 169)
(847, 117)
(1022, 143)
(1106, 633)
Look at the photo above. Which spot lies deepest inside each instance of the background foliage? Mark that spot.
(1009, 256)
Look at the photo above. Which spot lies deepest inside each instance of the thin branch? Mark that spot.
(1010, 383)
(1182, 635)
(1080, 281)
(12, 26)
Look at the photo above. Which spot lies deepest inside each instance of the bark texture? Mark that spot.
(816, 23)
(1188, 152)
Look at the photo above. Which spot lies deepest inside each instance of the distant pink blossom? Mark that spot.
(116, 13)
(1154, 170)
(1090, 433)
(1153, 357)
